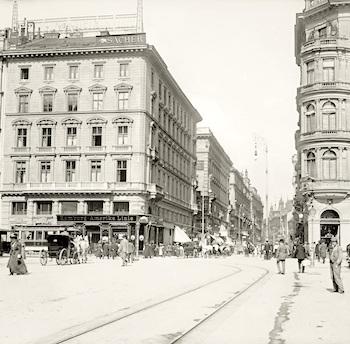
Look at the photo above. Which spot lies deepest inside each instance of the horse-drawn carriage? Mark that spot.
(62, 248)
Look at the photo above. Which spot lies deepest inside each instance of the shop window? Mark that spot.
(69, 207)
(19, 208)
(95, 207)
(121, 207)
(44, 208)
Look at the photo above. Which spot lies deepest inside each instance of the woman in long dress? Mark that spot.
(16, 263)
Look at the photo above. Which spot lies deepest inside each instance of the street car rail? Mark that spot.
(94, 325)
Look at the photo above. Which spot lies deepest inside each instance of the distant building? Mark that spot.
(213, 173)
(323, 148)
(281, 221)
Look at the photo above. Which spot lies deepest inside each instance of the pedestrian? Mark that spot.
(161, 250)
(267, 249)
(323, 251)
(335, 260)
(317, 251)
(282, 253)
(131, 250)
(123, 250)
(300, 254)
(16, 263)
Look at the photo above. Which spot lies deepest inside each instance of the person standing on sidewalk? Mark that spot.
(282, 253)
(335, 260)
(300, 254)
(123, 250)
(323, 251)
(16, 263)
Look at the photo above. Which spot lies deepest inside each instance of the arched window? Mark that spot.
(311, 164)
(329, 164)
(310, 119)
(329, 214)
(328, 116)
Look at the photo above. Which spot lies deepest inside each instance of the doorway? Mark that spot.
(330, 225)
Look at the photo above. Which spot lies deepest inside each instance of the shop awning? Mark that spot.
(180, 235)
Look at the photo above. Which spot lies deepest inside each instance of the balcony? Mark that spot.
(46, 150)
(328, 189)
(21, 150)
(325, 87)
(90, 187)
(71, 149)
(326, 43)
(325, 135)
(156, 192)
(97, 149)
(122, 148)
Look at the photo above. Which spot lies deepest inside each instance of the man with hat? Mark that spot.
(335, 259)
(16, 263)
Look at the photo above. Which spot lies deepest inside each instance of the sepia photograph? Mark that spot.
(174, 171)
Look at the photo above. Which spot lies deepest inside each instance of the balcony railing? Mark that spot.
(324, 134)
(97, 148)
(325, 43)
(71, 149)
(46, 149)
(325, 85)
(20, 150)
(122, 148)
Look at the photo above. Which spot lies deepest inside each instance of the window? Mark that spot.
(47, 102)
(96, 136)
(44, 208)
(123, 132)
(121, 207)
(19, 208)
(95, 207)
(96, 169)
(21, 137)
(69, 207)
(329, 116)
(200, 165)
(98, 71)
(24, 73)
(121, 170)
(46, 137)
(73, 72)
(21, 172)
(97, 101)
(70, 171)
(310, 119)
(322, 32)
(23, 103)
(123, 100)
(45, 171)
(152, 80)
(71, 136)
(310, 66)
(329, 164)
(328, 70)
(72, 102)
(124, 70)
(48, 73)
(311, 165)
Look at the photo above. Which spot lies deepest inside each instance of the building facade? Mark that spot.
(323, 102)
(246, 208)
(213, 173)
(96, 134)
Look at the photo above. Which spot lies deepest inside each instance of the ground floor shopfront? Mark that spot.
(327, 219)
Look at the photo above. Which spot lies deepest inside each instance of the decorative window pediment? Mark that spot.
(71, 121)
(23, 90)
(122, 87)
(72, 89)
(96, 120)
(97, 88)
(121, 120)
(46, 122)
(47, 89)
(21, 122)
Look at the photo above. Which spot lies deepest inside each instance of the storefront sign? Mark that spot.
(96, 218)
(130, 39)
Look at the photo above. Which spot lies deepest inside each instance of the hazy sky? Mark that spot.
(233, 58)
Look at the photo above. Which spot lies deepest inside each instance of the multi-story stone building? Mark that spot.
(247, 210)
(96, 134)
(323, 141)
(213, 173)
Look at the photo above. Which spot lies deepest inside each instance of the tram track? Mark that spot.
(79, 330)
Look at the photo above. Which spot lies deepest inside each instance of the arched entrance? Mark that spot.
(330, 223)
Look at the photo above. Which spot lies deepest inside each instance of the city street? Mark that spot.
(103, 302)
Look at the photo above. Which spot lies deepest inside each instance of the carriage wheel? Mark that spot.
(63, 257)
(43, 257)
(76, 258)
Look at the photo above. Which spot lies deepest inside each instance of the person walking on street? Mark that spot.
(335, 260)
(323, 251)
(300, 254)
(131, 250)
(267, 250)
(16, 263)
(282, 253)
(317, 251)
(123, 250)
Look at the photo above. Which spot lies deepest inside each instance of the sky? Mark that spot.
(234, 59)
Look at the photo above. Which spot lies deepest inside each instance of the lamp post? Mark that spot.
(312, 214)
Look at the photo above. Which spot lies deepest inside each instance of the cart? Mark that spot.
(61, 248)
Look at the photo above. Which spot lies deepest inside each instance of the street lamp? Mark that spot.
(312, 214)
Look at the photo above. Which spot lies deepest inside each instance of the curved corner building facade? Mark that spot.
(323, 101)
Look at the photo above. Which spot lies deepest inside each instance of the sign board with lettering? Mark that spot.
(116, 40)
(96, 218)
